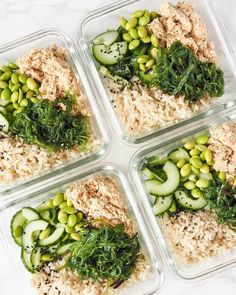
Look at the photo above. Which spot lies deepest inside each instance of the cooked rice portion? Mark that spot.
(97, 197)
(196, 236)
(141, 110)
(223, 145)
(180, 22)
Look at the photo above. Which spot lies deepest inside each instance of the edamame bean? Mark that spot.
(143, 59)
(154, 40)
(142, 32)
(70, 210)
(79, 216)
(10, 84)
(127, 37)
(78, 226)
(50, 204)
(6, 94)
(189, 185)
(195, 170)
(14, 96)
(3, 84)
(6, 76)
(146, 39)
(17, 111)
(132, 23)
(202, 183)
(45, 214)
(34, 99)
(6, 69)
(192, 177)
(63, 205)
(25, 88)
(202, 156)
(154, 52)
(58, 199)
(134, 33)
(185, 170)
(194, 152)
(20, 95)
(196, 193)
(150, 63)
(69, 203)
(203, 139)
(45, 233)
(153, 15)
(200, 147)
(18, 231)
(189, 145)
(69, 229)
(23, 78)
(10, 108)
(205, 168)
(183, 179)
(15, 87)
(196, 162)
(62, 217)
(30, 94)
(24, 102)
(13, 66)
(75, 236)
(181, 163)
(123, 22)
(142, 67)
(144, 20)
(31, 83)
(146, 12)
(134, 44)
(72, 220)
(15, 78)
(222, 176)
(137, 13)
(208, 156)
(47, 257)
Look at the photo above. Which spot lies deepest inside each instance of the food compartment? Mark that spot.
(190, 211)
(45, 147)
(106, 180)
(132, 117)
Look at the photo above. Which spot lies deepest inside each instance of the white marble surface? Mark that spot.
(19, 17)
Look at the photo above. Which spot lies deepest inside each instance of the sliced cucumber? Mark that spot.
(17, 220)
(110, 55)
(4, 124)
(30, 214)
(45, 214)
(178, 154)
(106, 38)
(35, 258)
(156, 160)
(64, 247)
(162, 205)
(54, 238)
(28, 240)
(186, 202)
(169, 186)
(25, 257)
(148, 174)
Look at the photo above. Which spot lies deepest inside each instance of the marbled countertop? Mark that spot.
(20, 17)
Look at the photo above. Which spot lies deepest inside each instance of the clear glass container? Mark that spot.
(41, 39)
(171, 142)
(14, 270)
(108, 18)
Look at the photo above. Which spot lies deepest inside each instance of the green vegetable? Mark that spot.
(105, 253)
(179, 72)
(43, 123)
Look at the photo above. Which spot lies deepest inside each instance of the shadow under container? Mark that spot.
(108, 18)
(15, 272)
(43, 39)
(216, 263)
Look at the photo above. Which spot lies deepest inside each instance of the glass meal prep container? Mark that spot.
(187, 272)
(15, 271)
(108, 18)
(42, 39)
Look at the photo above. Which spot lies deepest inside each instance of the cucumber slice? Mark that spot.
(4, 124)
(167, 187)
(106, 38)
(45, 214)
(54, 238)
(148, 174)
(156, 160)
(178, 154)
(30, 214)
(35, 258)
(17, 220)
(186, 202)
(25, 257)
(119, 80)
(64, 248)
(110, 55)
(162, 205)
(28, 240)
